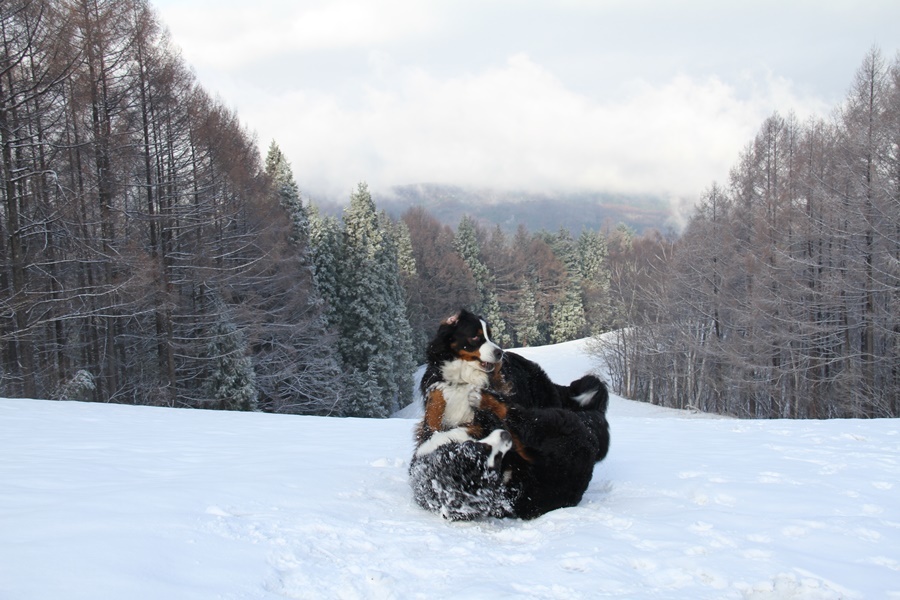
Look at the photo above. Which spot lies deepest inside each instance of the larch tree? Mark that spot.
(130, 201)
(443, 283)
(35, 59)
(780, 299)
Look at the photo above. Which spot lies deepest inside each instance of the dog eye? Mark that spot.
(473, 340)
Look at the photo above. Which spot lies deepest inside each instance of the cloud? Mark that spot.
(632, 97)
(229, 36)
(516, 126)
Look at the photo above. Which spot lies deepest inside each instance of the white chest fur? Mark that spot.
(464, 372)
(460, 402)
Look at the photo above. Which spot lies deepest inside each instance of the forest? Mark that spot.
(781, 298)
(151, 253)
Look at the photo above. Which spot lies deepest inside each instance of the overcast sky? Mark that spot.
(630, 96)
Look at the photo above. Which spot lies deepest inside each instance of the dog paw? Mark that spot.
(500, 442)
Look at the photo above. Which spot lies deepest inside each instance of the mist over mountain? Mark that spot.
(573, 211)
(537, 211)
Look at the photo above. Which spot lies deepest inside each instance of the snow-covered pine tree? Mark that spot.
(467, 246)
(363, 396)
(399, 234)
(360, 292)
(79, 387)
(567, 315)
(230, 382)
(288, 192)
(595, 277)
(326, 247)
(375, 334)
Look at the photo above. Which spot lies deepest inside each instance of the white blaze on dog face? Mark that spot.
(489, 351)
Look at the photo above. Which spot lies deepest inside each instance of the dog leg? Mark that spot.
(435, 405)
(491, 403)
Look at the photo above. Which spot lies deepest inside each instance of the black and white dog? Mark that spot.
(498, 438)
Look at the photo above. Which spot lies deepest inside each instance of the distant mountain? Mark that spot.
(574, 211)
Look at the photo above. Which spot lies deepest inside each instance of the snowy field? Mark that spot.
(119, 502)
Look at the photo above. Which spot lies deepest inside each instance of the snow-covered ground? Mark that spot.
(120, 502)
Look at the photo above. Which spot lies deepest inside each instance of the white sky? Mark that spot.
(632, 96)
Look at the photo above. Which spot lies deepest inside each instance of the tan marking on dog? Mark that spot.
(434, 410)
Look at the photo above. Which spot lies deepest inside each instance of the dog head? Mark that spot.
(466, 338)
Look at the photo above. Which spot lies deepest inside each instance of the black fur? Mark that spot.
(563, 446)
(559, 439)
(457, 482)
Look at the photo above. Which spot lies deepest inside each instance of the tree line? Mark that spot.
(145, 256)
(781, 299)
(149, 253)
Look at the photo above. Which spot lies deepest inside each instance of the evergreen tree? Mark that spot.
(360, 292)
(595, 277)
(79, 388)
(399, 233)
(565, 249)
(395, 262)
(527, 331)
(363, 397)
(567, 315)
(592, 253)
(326, 247)
(375, 336)
(231, 381)
(288, 192)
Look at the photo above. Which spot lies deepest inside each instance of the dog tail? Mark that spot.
(589, 398)
(588, 393)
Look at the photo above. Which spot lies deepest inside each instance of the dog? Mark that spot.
(462, 368)
(499, 438)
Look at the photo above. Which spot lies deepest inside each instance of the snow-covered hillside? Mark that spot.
(115, 502)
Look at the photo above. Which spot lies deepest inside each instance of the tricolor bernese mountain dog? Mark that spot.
(498, 437)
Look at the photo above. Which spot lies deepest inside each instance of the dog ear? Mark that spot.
(438, 348)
